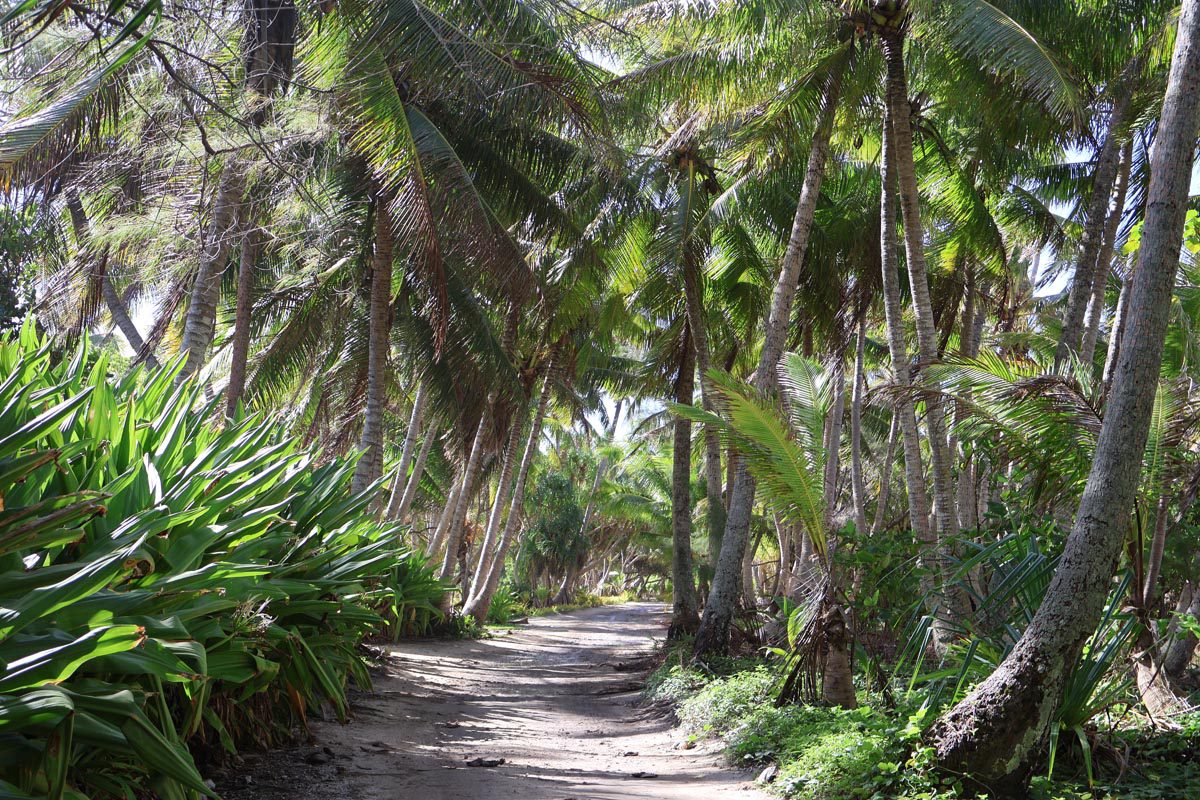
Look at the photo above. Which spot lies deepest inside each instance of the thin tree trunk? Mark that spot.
(116, 306)
(1095, 310)
(415, 419)
(454, 532)
(918, 496)
(973, 317)
(783, 533)
(885, 476)
(1183, 646)
(370, 464)
(713, 634)
(200, 323)
(414, 479)
(1095, 222)
(503, 485)
(697, 323)
(857, 397)
(749, 594)
(601, 467)
(1120, 318)
(999, 729)
(918, 280)
(478, 605)
(1158, 545)
(833, 441)
(439, 534)
(684, 610)
(241, 323)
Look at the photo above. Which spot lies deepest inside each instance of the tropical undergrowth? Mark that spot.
(508, 604)
(875, 751)
(173, 586)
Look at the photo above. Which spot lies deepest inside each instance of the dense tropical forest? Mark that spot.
(862, 334)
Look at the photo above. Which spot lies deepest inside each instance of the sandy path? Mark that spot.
(556, 699)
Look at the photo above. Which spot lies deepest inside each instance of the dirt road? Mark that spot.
(557, 700)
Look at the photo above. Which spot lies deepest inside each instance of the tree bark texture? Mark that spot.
(370, 464)
(996, 732)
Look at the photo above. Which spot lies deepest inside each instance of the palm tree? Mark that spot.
(713, 634)
(992, 734)
(685, 617)
(370, 463)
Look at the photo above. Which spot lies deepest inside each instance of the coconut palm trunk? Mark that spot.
(697, 323)
(1183, 646)
(601, 468)
(684, 610)
(1120, 319)
(434, 546)
(81, 227)
(974, 315)
(713, 635)
(905, 412)
(857, 398)
(833, 441)
(478, 605)
(414, 480)
(199, 325)
(503, 485)
(458, 517)
(918, 279)
(1095, 222)
(1095, 309)
(885, 475)
(240, 350)
(400, 481)
(998, 730)
(370, 463)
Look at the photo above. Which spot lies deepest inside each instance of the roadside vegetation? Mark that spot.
(862, 331)
(876, 751)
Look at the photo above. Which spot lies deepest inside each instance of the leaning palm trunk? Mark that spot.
(370, 463)
(436, 541)
(905, 412)
(1183, 646)
(116, 306)
(120, 314)
(713, 634)
(200, 324)
(478, 605)
(414, 480)
(997, 731)
(241, 324)
(918, 279)
(1096, 220)
(458, 517)
(503, 484)
(400, 481)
